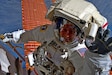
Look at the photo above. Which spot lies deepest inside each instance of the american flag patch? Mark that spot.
(81, 51)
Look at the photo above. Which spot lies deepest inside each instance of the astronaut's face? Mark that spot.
(68, 32)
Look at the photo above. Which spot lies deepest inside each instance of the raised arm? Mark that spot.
(40, 34)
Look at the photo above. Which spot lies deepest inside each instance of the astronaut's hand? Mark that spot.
(102, 43)
(2, 36)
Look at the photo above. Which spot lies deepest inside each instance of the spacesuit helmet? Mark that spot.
(80, 12)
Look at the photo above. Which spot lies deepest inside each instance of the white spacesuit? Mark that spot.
(75, 22)
(88, 19)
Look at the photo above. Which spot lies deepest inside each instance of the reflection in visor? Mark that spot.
(68, 32)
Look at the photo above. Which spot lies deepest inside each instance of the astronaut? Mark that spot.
(78, 29)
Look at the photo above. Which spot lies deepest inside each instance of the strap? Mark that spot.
(14, 48)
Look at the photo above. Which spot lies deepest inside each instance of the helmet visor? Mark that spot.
(68, 32)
